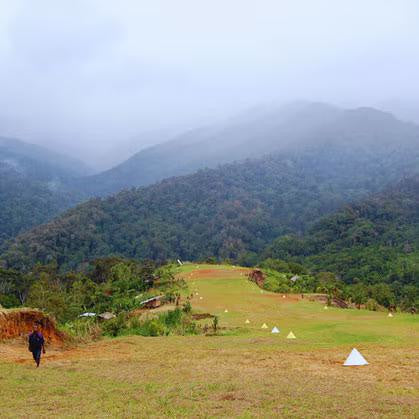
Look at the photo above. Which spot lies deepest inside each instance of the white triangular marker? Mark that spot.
(264, 326)
(283, 296)
(291, 336)
(275, 330)
(225, 311)
(201, 298)
(355, 358)
(247, 321)
(390, 315)
(326, 308)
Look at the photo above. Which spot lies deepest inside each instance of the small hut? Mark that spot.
(152, 302)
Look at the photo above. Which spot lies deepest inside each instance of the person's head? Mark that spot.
(36, 327)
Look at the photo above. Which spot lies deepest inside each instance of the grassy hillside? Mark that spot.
(244, 372)
(227, 288)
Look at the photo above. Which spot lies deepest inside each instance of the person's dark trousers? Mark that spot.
(37, 356)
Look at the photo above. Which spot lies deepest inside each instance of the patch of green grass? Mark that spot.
(244, 372)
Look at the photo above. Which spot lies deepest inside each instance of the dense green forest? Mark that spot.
(276, 208)
(25, 203)
(375, 241)
(34, 186)
(38, 184)
(232, 212)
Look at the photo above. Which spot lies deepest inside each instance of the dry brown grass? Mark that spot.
(212, 377)
(252, 374)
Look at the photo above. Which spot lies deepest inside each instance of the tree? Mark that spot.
(358, 294)
(382, 294)
(47, 296)
(329, 284)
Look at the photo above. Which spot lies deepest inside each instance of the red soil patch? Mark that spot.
(19, 323)
(289, 298)
(218, 273)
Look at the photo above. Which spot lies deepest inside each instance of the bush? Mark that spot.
(187, 307)
(174, 322)
(151, 328)
(275, 264)
(83, 329)
(371, 304)
(116, 326)
(8, 301)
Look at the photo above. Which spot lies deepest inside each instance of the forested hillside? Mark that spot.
(374, 241)
(39, 163)
(253, 134)
(38, 184)
(234, 211)
(33, 186)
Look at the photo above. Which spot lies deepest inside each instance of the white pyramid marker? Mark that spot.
(264, 326)
(390, 315)
(201, 298)
(247, 321)
(326, 308)
(283, 296)
(275, 330)
(291, 336)
(355, 358)
(225, 311)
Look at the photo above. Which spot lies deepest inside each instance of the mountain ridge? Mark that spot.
(283, 129)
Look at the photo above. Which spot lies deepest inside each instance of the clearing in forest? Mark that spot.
(246, 371)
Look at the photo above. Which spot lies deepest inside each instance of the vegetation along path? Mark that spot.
(244, 371)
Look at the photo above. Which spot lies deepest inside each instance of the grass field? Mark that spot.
(244, 372)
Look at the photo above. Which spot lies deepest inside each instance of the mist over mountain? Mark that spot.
(38, 162)
(38, 184)
(33, 185)
(405, 110)
(255, 133)
(233, 211)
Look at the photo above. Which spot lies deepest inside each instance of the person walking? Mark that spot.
(36, 344)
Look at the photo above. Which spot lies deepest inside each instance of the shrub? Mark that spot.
(371, 304)
(187, 307)
(8, 301)
(116, 326)
(83, 329)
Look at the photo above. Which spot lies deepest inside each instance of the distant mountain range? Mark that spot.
(39, 163)
(253, 134)
(320, 158)
(234, 211)
(33, 185)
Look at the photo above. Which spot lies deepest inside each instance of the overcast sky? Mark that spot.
(86, 75)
